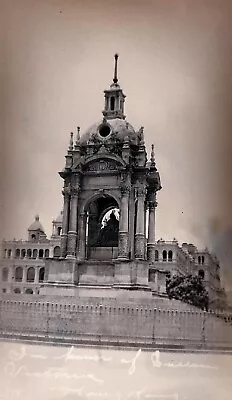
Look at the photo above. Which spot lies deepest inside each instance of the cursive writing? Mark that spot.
(132, 362)
(55, 373)
(22, 353)
(138, 394)
(78, 357)
(156, 362)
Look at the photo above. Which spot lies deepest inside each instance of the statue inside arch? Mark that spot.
(108, 235)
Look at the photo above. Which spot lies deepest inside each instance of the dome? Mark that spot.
(36, 225)
(59, 219)
(104, 130)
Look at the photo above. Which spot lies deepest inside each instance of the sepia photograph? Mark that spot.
(116, 200)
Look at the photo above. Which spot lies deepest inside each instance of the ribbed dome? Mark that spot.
(36, 225)
(117, 126)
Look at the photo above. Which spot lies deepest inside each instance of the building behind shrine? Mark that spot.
(103, 242)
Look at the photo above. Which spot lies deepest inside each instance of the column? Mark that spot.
(72, 233)
(82, 236)
(151, 232)
(140, 226)
(24, 274)
(65, 222)
(123, 225)
(36, 280)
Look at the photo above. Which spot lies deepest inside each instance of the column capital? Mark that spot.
(75, 190)
(125, 189)
(66, 191)
(152, 205)
(140, 191)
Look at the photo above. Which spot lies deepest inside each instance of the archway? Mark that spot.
(102, 228)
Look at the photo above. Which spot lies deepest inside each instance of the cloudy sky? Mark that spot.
(175, 68)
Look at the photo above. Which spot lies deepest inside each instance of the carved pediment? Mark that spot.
(103, 165)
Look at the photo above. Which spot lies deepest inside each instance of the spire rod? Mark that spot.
(115, 80)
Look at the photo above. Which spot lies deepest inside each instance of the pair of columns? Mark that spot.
(69, 237)
(140, 232)
(69, 224)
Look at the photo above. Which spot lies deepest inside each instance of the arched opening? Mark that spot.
(170, 255)
(201, 274)
(29, 291)
(17, 253)
(46, 254)
(41, 274)
(102, 228)
(18, 274)
(156, 255)
(56, 252)
(17, 290)
(41, 253)
(59, 229)
(112, 103)
(23, 253)
(31, 274)
(164, 255)
(5, 274)
(199, 259)
(29, 253)
(9, 253)
(35, 253)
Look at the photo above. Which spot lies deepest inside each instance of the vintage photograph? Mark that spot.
(115, 200)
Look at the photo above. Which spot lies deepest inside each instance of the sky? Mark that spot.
(175, 59)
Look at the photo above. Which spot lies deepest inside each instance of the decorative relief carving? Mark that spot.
(123, 245)
(139, 246)
(140, 191)
(151, 252)
(72, 242)
(125, 183)
(102, 165)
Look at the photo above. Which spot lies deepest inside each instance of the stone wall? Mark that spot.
(109, 321)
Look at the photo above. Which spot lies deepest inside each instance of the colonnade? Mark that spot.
(73, 237)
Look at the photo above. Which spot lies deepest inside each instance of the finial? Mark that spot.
(115, 80)
(141, 135)
(78, 135)
(152, 154)
(71, 141)
(37, 217)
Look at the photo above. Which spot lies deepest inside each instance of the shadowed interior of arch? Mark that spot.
(102, 228)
